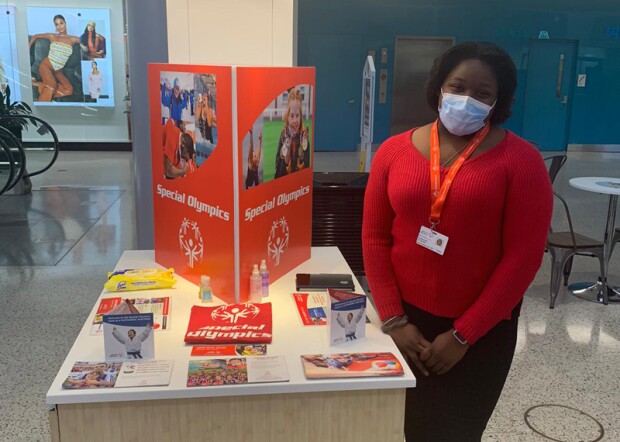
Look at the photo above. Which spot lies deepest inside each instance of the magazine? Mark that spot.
(128, 336)
(160, 307)
(95, 375)
(311, 308)
(351, 365)
(230, 350)
(233, 371)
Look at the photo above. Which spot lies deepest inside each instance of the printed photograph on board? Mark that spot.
(189, 121)
(62, 42)
(279, 142)
(9, 68)
(92, 375)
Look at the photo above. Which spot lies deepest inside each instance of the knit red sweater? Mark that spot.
(496, 216)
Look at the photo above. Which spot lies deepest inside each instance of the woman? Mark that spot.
(53, 82)
(95, 81)
(449, 255)
(92, 44)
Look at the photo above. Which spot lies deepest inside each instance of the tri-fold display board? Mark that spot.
(232, 157)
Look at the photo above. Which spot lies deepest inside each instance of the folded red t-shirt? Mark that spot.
(230, 324)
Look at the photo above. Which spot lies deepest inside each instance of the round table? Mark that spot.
(600, 291)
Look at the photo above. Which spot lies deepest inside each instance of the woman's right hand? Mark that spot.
(410, 342)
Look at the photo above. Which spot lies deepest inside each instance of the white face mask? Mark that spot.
(461, 114)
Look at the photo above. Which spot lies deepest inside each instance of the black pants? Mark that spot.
(456, 406)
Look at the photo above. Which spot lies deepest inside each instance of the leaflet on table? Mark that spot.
(229, 350)
(160, 307)
(347, 316)
(351, 365)
(230, 371)
(311, 308)
(128, 336)
(90, 375)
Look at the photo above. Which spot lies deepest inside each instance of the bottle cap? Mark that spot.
(205, 280)
(255, 269)
(263, 264)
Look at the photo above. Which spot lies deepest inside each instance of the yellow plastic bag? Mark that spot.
(139, 279)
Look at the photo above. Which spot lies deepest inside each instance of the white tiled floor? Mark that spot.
(57, 244)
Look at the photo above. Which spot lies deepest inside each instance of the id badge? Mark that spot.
(432, 240)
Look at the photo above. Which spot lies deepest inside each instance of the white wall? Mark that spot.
(232, 32)
(78, 124)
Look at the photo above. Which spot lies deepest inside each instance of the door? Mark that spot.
(548, 93)
(339, 61)
(413, 59)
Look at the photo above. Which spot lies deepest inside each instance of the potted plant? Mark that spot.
(17, 109)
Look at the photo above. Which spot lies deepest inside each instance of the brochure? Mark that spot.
(160, 307)
(228, 371)
(311, 308)
(128, 336)
(347, 316)
(230, 350)
(351, 365)
(90, 375)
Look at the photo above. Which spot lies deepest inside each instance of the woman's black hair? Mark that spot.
(490, 54)
(84, 37)
(59, 16)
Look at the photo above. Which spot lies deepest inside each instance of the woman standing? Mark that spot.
(54, 84)
(456, 215)
(95, 81)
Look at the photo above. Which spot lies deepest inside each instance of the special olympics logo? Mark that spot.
(277, 243)
(232, 313)
(190, 241)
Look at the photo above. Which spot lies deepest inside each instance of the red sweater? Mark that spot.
(496, 216)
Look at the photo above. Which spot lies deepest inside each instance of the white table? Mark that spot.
(299, 410)
(600, 291)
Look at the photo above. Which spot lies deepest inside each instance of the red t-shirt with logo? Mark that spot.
(230, 324)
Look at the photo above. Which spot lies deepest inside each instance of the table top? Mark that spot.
(608, 185)
(291, 339)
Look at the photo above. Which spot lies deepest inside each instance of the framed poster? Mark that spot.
(70, 57)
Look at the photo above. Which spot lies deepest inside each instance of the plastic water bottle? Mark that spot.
(205, 289)
(264, 275)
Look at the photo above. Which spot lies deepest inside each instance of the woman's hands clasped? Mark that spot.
(438, 356)
(411, 343)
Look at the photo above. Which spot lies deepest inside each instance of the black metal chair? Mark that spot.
(555, 164)
(563, 246)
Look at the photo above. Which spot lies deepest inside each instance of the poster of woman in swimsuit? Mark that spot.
(63, 44)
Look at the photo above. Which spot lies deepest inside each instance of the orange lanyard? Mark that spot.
(439, 191)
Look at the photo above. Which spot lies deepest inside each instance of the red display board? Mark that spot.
(232, 156)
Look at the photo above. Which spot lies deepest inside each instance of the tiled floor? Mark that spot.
(57, 244)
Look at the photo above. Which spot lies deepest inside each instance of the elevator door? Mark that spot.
(413, 59)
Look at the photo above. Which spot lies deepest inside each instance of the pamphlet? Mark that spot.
(230, 350)
(91, 375)
(347, 316)
(145, 373)
(128, 336)
(311, 308)
(351, 365)
(228, 371)
(160, 307)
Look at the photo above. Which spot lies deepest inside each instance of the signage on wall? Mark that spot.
(70, 57)
(543, 35)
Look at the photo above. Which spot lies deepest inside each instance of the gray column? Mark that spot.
(147, 37)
